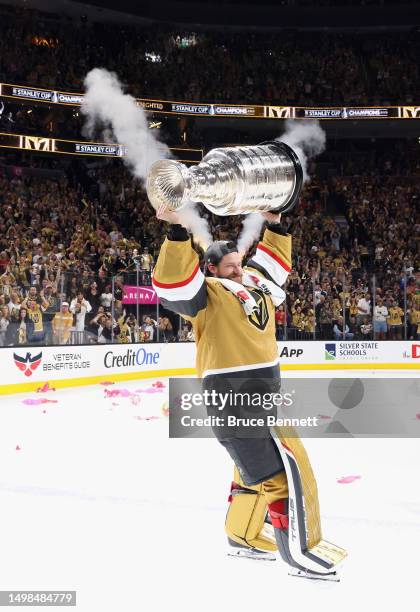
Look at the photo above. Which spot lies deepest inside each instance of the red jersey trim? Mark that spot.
(180, 284)
(275, 257)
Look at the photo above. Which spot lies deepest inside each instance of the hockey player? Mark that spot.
(232, 311)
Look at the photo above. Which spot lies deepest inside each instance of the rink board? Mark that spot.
(28, 368)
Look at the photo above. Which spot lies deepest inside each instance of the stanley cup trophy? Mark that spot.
(230, 181)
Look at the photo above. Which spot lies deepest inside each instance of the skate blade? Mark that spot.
(297, 573)
(255, 555)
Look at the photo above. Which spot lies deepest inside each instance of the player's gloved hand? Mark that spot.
(168, 215)
(272, 217)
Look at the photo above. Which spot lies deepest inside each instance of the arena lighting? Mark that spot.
(185, 41)
(42, 41)
(153, 57)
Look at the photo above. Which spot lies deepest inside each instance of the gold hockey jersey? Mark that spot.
(227, 339)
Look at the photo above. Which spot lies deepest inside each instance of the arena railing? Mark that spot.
(53, 308)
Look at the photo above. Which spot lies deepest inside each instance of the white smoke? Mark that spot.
(251, 230)
(107, 106)
(198, 226)
(307, 139)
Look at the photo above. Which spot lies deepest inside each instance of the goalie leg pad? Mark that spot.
(246, 516)
(304, 542)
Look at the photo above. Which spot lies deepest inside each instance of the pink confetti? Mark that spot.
(158, 384)
(106, 382)
(45, 388)
(111, 393)
(37, 402)
(149, 390)
(118, 393)
(348, 479)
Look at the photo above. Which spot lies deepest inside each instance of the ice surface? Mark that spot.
(100, 501)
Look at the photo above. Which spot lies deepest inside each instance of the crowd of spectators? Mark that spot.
(240, 67)
(359, 276)
(69, 244)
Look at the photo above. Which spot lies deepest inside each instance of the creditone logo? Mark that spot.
(330, 351)
(27, 364)
(415, 352)
(140, 357)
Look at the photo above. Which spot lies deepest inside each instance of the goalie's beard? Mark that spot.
(233, 277)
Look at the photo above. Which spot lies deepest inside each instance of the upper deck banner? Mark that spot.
(37, 95)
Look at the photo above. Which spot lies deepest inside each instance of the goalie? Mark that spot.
(273, 499)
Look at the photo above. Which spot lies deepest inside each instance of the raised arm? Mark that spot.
(177, 278)
(273, 256)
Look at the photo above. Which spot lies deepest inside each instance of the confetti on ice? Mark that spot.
(348, 479)
(159, 384)
(36, 402)
(118, 393)
(45, 388)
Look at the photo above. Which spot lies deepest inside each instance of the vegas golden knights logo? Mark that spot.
(36, 143)
(259, 318)
(410, 112)
(278, 112)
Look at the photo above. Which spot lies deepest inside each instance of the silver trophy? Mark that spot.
(230, 181)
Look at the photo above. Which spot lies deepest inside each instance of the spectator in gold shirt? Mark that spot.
(35, 328)
(414, 318)
(62, 324)
(395, 323)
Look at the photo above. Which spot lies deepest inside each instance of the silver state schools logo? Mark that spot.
(352, 351)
